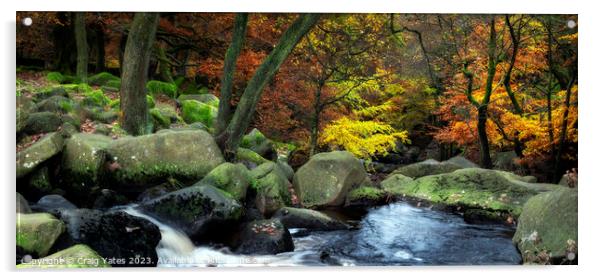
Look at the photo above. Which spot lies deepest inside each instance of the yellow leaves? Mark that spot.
(363, 138)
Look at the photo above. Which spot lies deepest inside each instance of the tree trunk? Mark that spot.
(64, 43)
(164, 66)
(315, 121)
(483, 140)
(82, 46)
(100, 48)
(238, 37)
(230, 138)
(563, 131)
(134, 75)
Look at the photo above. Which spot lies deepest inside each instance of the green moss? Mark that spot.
(158, 87)
(36, 233)
(55, 77)
(96, 97)
(103, 79)
(150, 101)
(77, 256)
(66, 106)
(195, 111)
(243, 154)
(114, 103)
(366, 193)
(159, 120)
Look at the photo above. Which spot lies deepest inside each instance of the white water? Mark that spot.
(395, 234)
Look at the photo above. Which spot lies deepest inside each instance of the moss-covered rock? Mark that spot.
(83, 157)
(56, 104)
(247, 156)
(38, 182)
(22, 116)
(77, 256)
(139, 162)
(195, 111)
(394, 181)
(154, 87)
(36, 233)
(42, 122)
(56, 77)
(195, 209)
(22, 205)
(50, 91)
(307, 218)
(547, 228)
(327, 177)
(491, 190)
(257, 142)
(208, 99)
(427, 167)
(103, 79)
(365, 196)
(232, 178)
(45, 148)
(96, 98)
(159, 120)
(272, 188)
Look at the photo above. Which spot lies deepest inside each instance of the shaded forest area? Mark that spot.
(500, 90)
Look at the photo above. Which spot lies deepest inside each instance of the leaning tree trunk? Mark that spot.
(134, 75)
(238, 37)
(82, 46)
(230, 138)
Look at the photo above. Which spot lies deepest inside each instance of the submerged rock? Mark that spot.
(139, 162)
(547, 228)
(196, 210)
(491, 190)
(36, 233)
(43, 149)
(77, 256)
(327, 177)
(265, 237)
(307, 218)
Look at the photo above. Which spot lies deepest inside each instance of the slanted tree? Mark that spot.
(79, 20)
(230, 138)
(136, 58)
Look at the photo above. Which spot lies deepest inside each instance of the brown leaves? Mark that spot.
(87, 126)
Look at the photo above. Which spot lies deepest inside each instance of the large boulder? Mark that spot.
(42, 122)
(37, 233)
(77, 256)
(394, 181)
(427, 167)
(249, 158)
(327, 177)
(113, 234)
(232, 178)
(547, 228)
(265, 237)
(490, 190)
(307, 218)
(56, 104)
(43, 149)
(195, 111)
(257, 142)
(83, 158)
(365, 196)
(271, 187)
(139, 162)
(206, 98)
(196, 210)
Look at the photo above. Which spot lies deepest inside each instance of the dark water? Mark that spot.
(395, 234)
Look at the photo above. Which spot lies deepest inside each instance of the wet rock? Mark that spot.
(36, 233)
(53, 203)
(365, 197)
(265, 237)
(307, 218)
(232, 178)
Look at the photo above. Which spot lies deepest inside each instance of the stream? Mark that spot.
(394, 234)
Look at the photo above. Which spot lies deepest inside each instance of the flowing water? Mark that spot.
(395, 234)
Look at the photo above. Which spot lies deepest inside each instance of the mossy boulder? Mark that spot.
(491, 190)
(394, 181)
(547, 228)
(56, 77)
(103, 79)
(257, 142)
(42, 122)
(197, 210)
(143, 161)
(206, 98)
(82, 161)
(42, 150)
(159, 120)
(22, 116)
(96, 98)
(232, 178)
(265, 237)
(365, 196)
(76, 256)
(36, 233)
(249, 158)
(56, 104)
(155, 87)
(50, 91)
(38, 182)
(427, 167)
(271, 187)
(195, 111)
(307, 218)
(326, 179)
